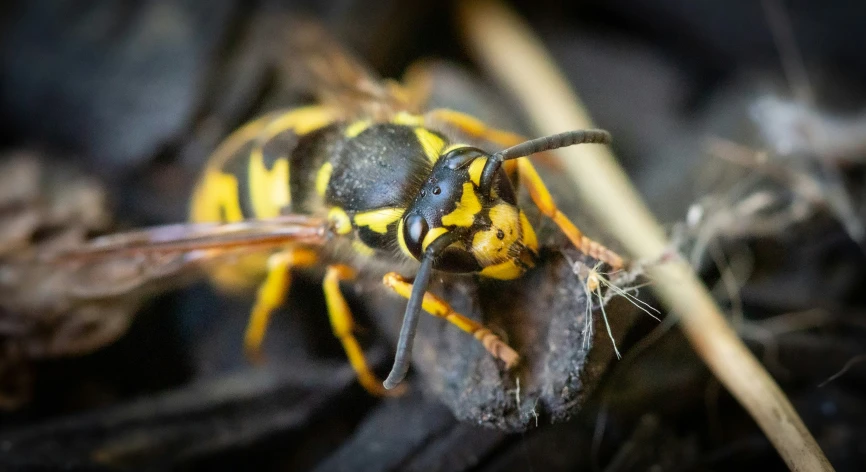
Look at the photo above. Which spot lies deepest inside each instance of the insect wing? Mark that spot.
(317, 62)
(117, 264)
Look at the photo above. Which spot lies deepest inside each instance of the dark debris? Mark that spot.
(140, 95)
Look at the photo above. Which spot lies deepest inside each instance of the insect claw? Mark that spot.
(497, 347)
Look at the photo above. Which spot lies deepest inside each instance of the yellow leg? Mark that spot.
(544, 201)
(271, 294)
(476, 129)
(343, 326)
(439, 308)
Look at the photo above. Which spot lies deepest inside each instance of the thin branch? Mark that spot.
(848, 365)
(515, 57)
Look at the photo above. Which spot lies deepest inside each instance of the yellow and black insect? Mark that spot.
(366, 183)
(397, 187)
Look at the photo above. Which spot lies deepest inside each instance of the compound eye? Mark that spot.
(462, 157)
(414, 231)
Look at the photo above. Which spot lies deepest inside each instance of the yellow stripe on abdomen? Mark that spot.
(269, 189)
(216, 199)
(217, 196)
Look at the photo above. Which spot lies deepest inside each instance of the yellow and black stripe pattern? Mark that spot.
(368, 178)
(402, 189)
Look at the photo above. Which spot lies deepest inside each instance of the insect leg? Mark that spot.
(271, 294)
(475, 128)
(343, 326)
(544, 201)
(472, 127)
(439, 308)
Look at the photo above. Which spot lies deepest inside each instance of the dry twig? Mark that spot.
(509, 50)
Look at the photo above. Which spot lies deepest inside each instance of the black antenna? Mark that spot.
(413, 311)
(546, 143)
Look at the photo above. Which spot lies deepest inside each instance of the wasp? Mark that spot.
(366, 183)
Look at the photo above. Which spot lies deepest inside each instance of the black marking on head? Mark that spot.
(503, 188)
(461, 157)
(457, 260)
(439, 194)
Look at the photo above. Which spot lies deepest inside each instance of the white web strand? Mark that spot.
(593, 282)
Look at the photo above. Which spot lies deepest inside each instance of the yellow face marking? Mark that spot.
(339, 220)
(431, 236)
(402, 242)
(379, 220)
(408, 119)
(431, 143)
(507, 270)
(269, 189)
(475, 170)
(216, 198)
(467, 208)
(323, 177)
(529, 238)
(362, 248)
(356, 128)
(492, 245)
(505, 217)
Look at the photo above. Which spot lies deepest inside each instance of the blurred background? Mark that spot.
(742, 123)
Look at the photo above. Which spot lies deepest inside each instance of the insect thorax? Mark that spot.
(372, 176)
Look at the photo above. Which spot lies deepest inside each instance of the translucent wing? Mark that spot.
(214, 238)
(143, 261)
(78, 298)
(312, 58)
